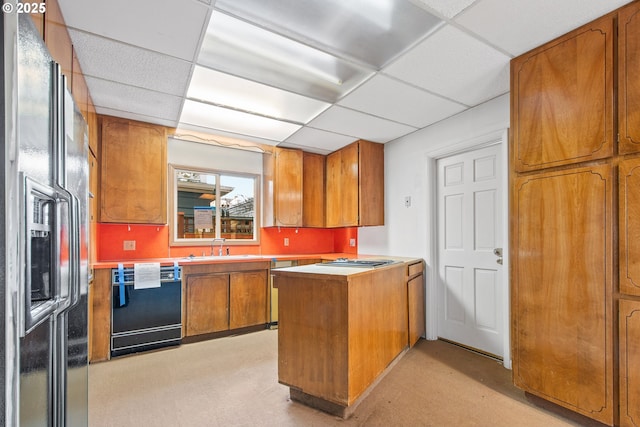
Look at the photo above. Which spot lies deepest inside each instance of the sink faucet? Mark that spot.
(213, 243)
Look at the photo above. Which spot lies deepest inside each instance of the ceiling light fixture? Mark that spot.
(282, 55)
(238, 48)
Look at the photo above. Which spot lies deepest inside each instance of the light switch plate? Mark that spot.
(286, 241)
(352, 243)
(129, 245)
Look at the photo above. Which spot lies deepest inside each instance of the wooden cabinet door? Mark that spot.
(248, 299)
(342, 187)
(288, 187)
(371, 181)
(350, 185)
(629, 212)
(562, 288)
(313, 190)
(355, 185)
(629, 363)
(562, 99)
(333, 191)
(100, 316)
(207, 308)
(134, 172)
(628, 82)
(415, 293)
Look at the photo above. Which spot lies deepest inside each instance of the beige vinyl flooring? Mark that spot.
(233, 381)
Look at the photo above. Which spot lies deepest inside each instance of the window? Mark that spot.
(208, 204)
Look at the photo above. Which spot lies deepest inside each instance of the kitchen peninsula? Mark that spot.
(341, 327)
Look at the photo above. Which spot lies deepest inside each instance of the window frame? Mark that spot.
(174, 240)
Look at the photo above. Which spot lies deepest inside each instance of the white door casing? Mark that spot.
(470, 228)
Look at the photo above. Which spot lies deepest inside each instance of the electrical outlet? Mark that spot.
(129, 245)
(286, 241)
(352, 243)
(407, 201)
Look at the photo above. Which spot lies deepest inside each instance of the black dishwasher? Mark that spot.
(148, 318)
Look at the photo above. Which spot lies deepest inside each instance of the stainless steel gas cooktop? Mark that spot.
(344, 262)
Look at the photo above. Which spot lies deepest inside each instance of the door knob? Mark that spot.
(498, 252)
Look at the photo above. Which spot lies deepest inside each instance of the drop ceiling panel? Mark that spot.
(455, 65)
(359, 125)
(226, 90)
(318, 140)
(389, 98)
(214, 117)
(372, 32)
(446, 8)
(116, 96)
(518, 26)
(115, 61)
(172, 27)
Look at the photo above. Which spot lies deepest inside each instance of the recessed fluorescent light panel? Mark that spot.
(225, 90)
(239, 48)
(372, 32)
(224, 119)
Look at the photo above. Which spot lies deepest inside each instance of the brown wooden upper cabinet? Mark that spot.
(562, 99)
(628, 82)
(293, 188)
(355, 185)
(629, 212)
(133, 172)
(283, 187)
(313, 181)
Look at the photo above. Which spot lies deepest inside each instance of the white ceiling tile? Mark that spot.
(207, 115)
(518, 26)
(227, 90)
(110, 60)
(320, 140)
(446, 8)
(455, 65)
(391, 99)
(133, 99)
(359, 125)
(172, 27)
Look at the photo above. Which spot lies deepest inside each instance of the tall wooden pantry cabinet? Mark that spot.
(575, 216)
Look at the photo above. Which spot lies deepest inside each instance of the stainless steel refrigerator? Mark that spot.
(44, 237)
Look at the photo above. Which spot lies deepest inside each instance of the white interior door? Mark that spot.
(470, 293)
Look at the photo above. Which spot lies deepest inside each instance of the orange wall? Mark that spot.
(152, 241)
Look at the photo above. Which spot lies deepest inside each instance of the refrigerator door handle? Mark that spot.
(67, 250)
(75, 246)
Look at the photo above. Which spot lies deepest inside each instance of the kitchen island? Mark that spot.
(340, 329)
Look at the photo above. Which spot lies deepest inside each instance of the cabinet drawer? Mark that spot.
(415, 268)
